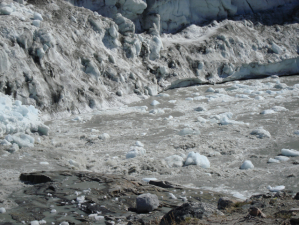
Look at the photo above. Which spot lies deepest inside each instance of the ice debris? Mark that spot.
(2, 210)
(289, 152)
(174, 161)
(276, 189)
(261, 133)
(247, 164)
(104, 136)
(194, 158)
(188, 131)
(282, 158)
(21, 139)
(135, 151)
(271, 160)
(155, 102)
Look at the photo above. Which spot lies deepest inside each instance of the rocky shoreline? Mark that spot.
(77, 197)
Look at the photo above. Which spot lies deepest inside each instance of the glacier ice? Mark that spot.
(247, 164)
(194, 158)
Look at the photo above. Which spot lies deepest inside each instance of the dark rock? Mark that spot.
(197, 210)
(294, 220)
(225, 202)
(296, 196)
(164, 184)
(254, 211)
(147, 203)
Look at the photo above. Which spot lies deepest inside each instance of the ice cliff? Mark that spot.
(64, 58)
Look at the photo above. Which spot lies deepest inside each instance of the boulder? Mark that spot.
(197, 210)
(146, 203)
(225, 202)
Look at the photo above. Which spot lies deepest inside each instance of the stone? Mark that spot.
(197, 210)
(296, 196)
(254, 211)
(225, 202)
(146, 203)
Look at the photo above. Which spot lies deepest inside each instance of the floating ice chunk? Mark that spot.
(37, 16)
(172, 101)
(43, 129)
(198, 98)
(189, 99)
(279, 109)
(200, 108)
(135, 151)
(5, 10)
(296, 132)
(276, 189)
(227, 121)
(141, 108)
(64, 223)
(260, 98)
(155, 102)
(53, 211)
(77, 118)
(174, 161)
(94, 130)
(2, 210)
(42, 222)
(172, 196)
(139, 144)
(164, 95)
(21, 139)
(247, 164)
(261, 133)
(74, 163)
(148, 179)
(188, 131)
(44, 163)
(282, 158)
(273, 160)
(104, 136)
(194, 158)
(201, 120)
(290, 152)
(36, 23)
(168, 118)
(210, 89)
(157, 111)
(81, 199)
(242, 96)
(34, 222)
(267, 111)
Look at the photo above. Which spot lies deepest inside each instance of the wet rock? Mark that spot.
(164, 184)
(254, 211)
(197, 210)
(225, 202)
(146, 203)
(296, 196)
(294, 220)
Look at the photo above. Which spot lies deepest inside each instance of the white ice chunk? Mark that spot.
(188, 131)
(271, 160)
(135, 151)
(247, 164)
(201, 120)
(35, 222)
(5, 10)
(282, 158)
(37, 16)
(53, 211)
(104, 136)
(81, 199)
(21, 139)
(77, 118)
(43, 163)
(210, 89)
(148, 179)
(2, 210)
(172, 101)
(164, 95)
(276, 189)
(155, 102)
(267, 111)
(36, 23)
(174, 161)
(289, 152)
(172, 196)
(261, 133)
(194, 158)
(189, 99)
(279, 109)
(139, 144)
(296, 132)
(198, 98)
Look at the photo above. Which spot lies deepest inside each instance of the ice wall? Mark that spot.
(175, 15)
